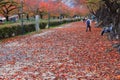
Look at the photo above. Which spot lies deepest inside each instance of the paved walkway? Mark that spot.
(64, 53)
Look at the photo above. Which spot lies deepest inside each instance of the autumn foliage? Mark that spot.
(55, 8)
(66, 53)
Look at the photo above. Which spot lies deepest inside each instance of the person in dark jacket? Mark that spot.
(88, 25)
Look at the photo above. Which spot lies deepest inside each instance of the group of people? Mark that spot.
(105, 30)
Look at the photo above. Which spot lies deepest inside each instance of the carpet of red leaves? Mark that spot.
(64, 53)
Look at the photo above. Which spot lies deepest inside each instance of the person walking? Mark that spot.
(88, 25)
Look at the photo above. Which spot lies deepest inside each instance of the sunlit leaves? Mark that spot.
(94, 5)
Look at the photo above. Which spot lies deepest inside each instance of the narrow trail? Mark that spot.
(64, 53)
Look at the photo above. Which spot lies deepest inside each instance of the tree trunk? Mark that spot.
(41, 16)
(19, 16)
(7, 18)
(27, 16)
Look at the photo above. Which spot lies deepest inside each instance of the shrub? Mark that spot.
(15, 30)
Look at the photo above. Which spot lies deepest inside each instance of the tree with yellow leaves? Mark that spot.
(7, 7)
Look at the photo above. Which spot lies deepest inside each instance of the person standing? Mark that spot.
(88, 25)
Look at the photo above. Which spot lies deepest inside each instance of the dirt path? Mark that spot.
(64, 53)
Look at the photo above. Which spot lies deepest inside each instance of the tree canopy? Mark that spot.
(41, 7)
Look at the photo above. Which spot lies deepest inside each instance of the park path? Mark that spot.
(63, 53)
